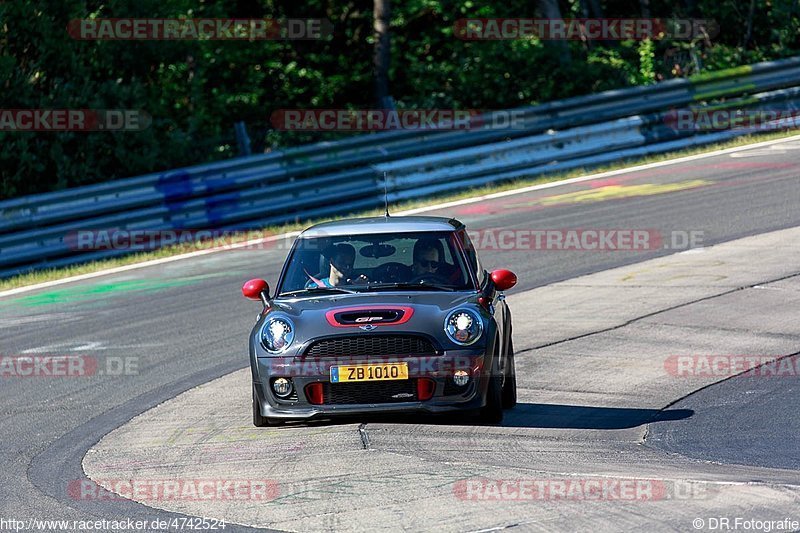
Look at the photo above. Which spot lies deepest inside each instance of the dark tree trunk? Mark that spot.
(586, 14)
(550, 10)
(596, 8)
(749, 31)
(644, 5)
(382, 57)
(593, 9)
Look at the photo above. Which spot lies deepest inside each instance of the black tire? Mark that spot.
(258, 420)
(492, 412)
(510, 384)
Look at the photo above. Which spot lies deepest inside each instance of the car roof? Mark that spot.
(372, 225)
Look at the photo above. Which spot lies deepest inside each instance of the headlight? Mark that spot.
(277, 334)
(463, 326)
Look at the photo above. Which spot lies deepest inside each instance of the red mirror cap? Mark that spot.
(253, 289)
(504, 279)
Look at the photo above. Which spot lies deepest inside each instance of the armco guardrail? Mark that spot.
(345, 176)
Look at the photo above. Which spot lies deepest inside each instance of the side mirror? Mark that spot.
(503, 279)
(256, 289)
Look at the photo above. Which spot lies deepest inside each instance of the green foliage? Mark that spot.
(647, 64)
(196, 90)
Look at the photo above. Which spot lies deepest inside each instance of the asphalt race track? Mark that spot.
(768, 408)
(594, 331)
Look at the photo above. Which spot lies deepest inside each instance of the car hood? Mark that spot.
(439, 299)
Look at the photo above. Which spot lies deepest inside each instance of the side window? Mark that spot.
(448, 256)
(472, 256)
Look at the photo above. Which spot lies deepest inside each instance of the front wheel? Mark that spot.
(510, 385)
(492, 412)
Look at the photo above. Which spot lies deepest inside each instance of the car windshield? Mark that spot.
(386, 261)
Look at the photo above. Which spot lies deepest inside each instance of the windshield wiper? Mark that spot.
(318, 289)
(412, 286)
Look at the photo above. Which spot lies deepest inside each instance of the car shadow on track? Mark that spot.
(555, 416)
(531, 415)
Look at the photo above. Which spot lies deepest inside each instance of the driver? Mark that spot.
(426, 258)
(341, 266)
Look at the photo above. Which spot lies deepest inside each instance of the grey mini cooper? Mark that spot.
(382, 315)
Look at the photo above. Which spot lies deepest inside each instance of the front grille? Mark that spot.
(371, 345)
(370, 392)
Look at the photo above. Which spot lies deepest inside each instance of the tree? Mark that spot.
(381, 16)
(550, 10)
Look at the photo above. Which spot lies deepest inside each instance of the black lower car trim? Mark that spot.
(391, 391)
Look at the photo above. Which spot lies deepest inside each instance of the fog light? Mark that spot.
(282, 387)
(460, 377)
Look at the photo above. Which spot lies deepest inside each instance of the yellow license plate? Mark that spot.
(379, 372)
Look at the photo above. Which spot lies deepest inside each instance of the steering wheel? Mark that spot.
(430, 278)
(391, 272)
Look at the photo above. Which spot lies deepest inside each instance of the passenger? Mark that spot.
(341, 267)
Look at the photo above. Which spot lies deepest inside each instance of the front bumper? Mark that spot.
(447, 397)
